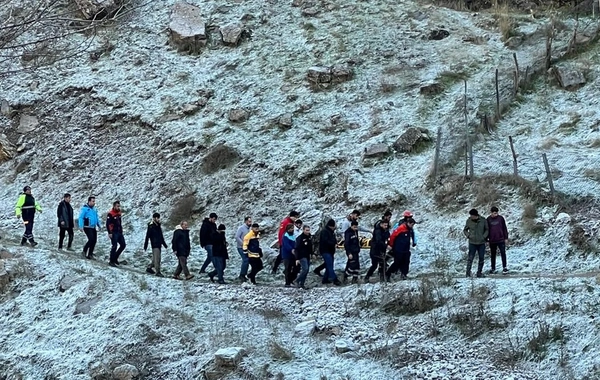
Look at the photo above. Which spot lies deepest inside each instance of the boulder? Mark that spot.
(324, 76)
(238, 115)
(344, 345)
(5, 108)
(411, 138)
(376, 150)
(98, 9)
(563, 218)
(285, 120)
(310, 11)
(232, 34)
(125, 372)
(85, 307)
(569, 78)
(229, 357)
(187, 29)
(27, 123)
(7, 150)
(219, 157)
(4, 276)
(438, 34)
(434, 88)
(305, 328)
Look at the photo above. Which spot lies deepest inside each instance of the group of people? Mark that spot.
(295, 240)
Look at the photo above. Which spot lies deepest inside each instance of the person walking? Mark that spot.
(154, 235)
(327, 244)
(400, 241)
(288, 255)
(25, 209)
(476, 231)
(379, 243)
(181, 247)
(241, 232)
(298, 228)
(207, 231)
(290, 219)
(114, 227)
(64, 213)
(352, 247)
(252, 249)
(303, 250)
(354, 216)
(498, 239)
(89, 223)
(387, 217)
(219, 255)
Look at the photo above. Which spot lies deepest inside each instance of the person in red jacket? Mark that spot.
(290, 219)
(115, 234)
(400, 241)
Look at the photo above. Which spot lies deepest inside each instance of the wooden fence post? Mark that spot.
(469, 148)
(548, 174)
(497, 98)
(517, 79)
(436, 159)
(514, 154)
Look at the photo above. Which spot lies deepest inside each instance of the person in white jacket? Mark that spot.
(239, 241)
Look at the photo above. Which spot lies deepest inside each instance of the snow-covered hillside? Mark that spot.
(140, 122)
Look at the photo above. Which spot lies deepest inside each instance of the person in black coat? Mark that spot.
(207, 231)
(303, 250)
(182, 248)
(352, 247)
(381, 235)
(327, 243)
(400, 241)
(64, 213)
(154, 235)
(220, 255)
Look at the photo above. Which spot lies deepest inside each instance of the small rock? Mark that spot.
(341, 73)
(305, 328)
(431, 89)
(67, 282)
(563, 218)
(344, 345)
(319, 74)
(27, 123)
(229, 357)
(238, 115)
(285, 120)
(4, 254)
(409, 140)
(376, 150)
(188, 30)
(438, 34)
(125, 372)
(190, 109)
(569, 78)
(297, 3)
(232, 34)
(5, 108)
(86, 306)
(310, 11)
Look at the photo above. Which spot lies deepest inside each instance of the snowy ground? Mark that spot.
(103, 131)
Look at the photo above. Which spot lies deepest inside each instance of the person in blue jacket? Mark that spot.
(89, 223)
(288, 244)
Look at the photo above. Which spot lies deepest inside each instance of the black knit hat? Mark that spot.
(213, 215)
(474, 212)
(26, 188)
(387, 213)
(331, 223)
(221, 227)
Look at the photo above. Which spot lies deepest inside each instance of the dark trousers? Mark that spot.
(219, 264)
(376, 263)
(304, 265)
(256, 265)
(117, 239)
(61, 237)
(320, 268)
(401, 262)
(290, 271)
(352, 265)
(277, 261)
(28, 234)
(493, 250)
(182, 266)
(92, 236)
(480, 250)
(209, 258)
(329, 275)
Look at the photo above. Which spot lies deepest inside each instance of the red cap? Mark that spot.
(407, 214)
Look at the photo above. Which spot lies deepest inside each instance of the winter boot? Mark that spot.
(480, 275)
(337, 282)
(252, 278)
(112, 264)
(354, 280)
(23, 241)
(189, 277)
(32, 242)
(403, 277)
(242, 278)
(150, 271)
(367, 279)
(158, 274)
(505, 271)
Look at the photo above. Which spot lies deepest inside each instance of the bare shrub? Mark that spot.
(182, 209)
(505, 23)
(509, 354)
(219, 157)
(487, 194)
(542, 337)
(554, 306)
(580, 239)
(475, 318)
(529, 211)
(279, 352)
(415, 301)
(592, 174)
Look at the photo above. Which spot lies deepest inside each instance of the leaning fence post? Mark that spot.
(548, 174)
(514, 154)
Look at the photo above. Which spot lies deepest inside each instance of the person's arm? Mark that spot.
(109, 224)
(239, 236)
(486, 231)
(173, 241)
(162, 237)
(20, 203)
(147, 238)
(38, 207)
(505, 229)
(466, 229)
(80, 219)
(246, 241)
(59, 213)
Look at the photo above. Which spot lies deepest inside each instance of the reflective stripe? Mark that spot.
(25, 207)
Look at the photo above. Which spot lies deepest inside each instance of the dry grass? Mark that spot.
(271, 313)
(506, 24)
(529, 211)
(279, 352)
(592, 174)
(549, 143)
(388, 85)
(182, 209)
(476, 318)
(219, 157)
(424, 298)
(580, 239)
(542, 337)
(594, 143)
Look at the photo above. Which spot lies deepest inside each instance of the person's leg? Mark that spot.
(87, 243)
(502, 247)
(71, 234)
(215, 271)
(287, 271)
(156, 257)
(122, 245)
(394, 267)
(277, 262)
(114, 240)
(61, 237)
(373, 267)
(29, 231)
(493, 251)
(186, 271)
(93, 238)
(304, 265)
(329, 271)
(319, 269)
(405, 263)
(470, 257)
(208, 259)
(244, 257)
(179, 267)
(220, 269)
(481, 252)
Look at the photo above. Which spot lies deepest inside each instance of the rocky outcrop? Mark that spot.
(285, 120)
(27, 123)
(187, 29)
(376, 150)
(238, 115)
(305, 328)
(125, 372)
(219, 157)
(411, 139)
(325, 76)
(568, 78)
(231, 35)
(229, 357)
(98, 9)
